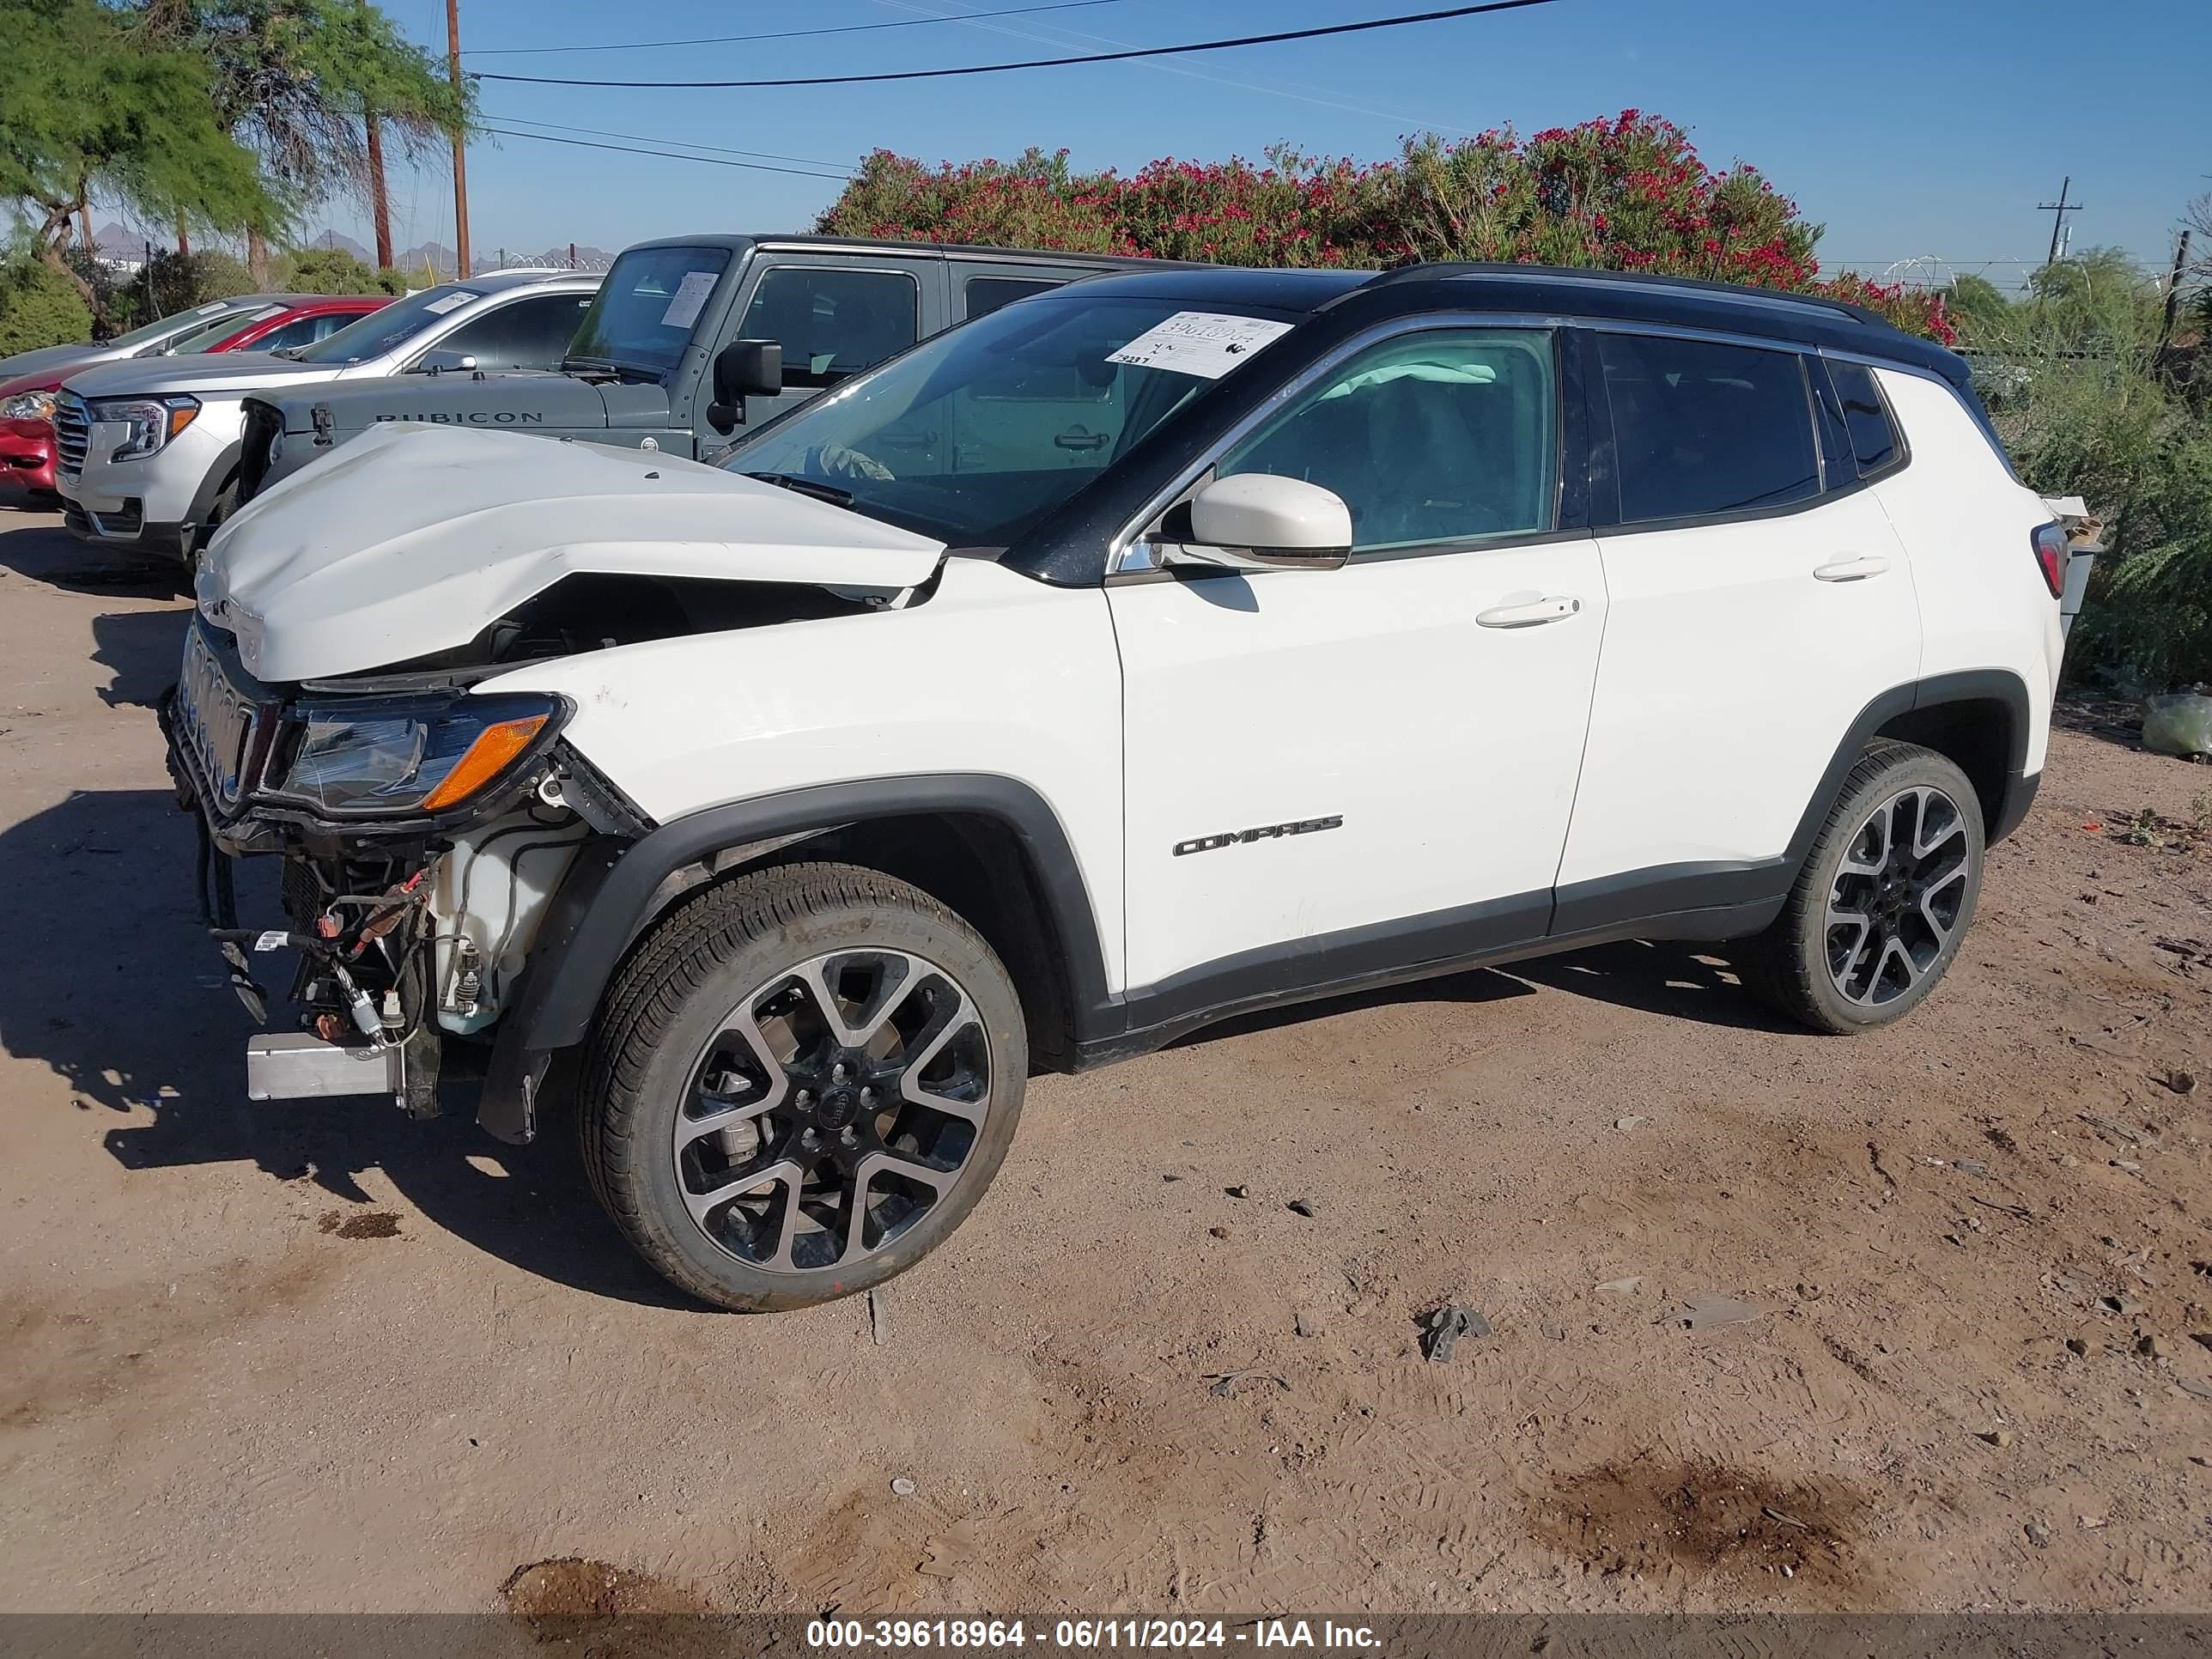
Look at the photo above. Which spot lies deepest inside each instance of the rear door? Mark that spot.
(978, 289)
(1758, 601)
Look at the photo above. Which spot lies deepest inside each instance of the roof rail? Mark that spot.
(1445, 271)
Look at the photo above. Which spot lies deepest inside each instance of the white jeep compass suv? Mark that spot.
(1155, 649)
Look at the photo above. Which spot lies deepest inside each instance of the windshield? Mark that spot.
(973, 436)
(222, 329)
(389, 327)
(644, 312)
(147, 333)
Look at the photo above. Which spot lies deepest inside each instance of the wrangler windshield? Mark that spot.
(389, 327)
(644, 312)
(975, 435)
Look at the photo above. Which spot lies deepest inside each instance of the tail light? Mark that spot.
(2050, 554)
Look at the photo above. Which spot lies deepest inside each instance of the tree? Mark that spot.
(92, 103)
(296, 82)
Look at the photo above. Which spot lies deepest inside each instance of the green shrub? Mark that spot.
(2087, 406)
(326, 271)
(39, 307)
(179, 282)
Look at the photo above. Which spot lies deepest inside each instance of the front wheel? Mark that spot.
(800, 1084)
(1884, 900)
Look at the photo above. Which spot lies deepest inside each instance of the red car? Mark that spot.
(26, 402)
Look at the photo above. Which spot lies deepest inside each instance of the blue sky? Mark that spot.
(1909, 129)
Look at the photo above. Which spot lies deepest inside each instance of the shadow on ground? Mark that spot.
(35, 545)
(1691, 982)
(107, 977)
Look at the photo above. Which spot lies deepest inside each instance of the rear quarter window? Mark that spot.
(1867, 423)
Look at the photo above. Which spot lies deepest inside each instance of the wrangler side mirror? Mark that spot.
(743, 369)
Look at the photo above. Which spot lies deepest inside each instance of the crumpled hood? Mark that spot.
(221, 373)
(411, 540)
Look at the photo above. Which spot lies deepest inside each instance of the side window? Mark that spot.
(1701, 429)
(833, 323)
(532, 334)
(1866, 418)
(984, 295)
(300, 330)
(1444, 436)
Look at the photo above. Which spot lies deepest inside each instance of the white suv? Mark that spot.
(1163, 648)
(147, 452)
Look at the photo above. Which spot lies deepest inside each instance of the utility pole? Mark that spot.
(2058, 209)
(379, 208)
(2173, 292)
(460, 160)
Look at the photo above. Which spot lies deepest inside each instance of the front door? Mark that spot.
(1402, 734)
(833, 319)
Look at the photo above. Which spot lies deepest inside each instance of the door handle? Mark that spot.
(1850, 569)
(1553, 607)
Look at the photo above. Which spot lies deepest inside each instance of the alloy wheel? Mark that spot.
(1894, 907)
(833, 1108)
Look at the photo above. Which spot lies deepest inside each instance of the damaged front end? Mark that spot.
(423, 830)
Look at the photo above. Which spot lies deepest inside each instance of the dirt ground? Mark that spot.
(312, 1357)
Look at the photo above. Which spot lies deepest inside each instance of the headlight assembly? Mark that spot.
(153, 421)
(376, 757)
(30, 405)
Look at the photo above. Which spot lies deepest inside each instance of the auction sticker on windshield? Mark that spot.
(1202, 343)
(690, 294)
(450, 302)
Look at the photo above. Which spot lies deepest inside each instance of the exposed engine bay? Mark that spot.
(594, 612)
(411, 919)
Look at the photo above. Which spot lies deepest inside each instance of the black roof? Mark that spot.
(739, 241)
(1548, 291)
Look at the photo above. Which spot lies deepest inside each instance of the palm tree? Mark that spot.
(309, 86)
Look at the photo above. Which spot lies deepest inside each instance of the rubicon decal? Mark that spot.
(1261, 832)
(473, 417)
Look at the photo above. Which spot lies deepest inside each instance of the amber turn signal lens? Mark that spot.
(181, 417)
(487, 756)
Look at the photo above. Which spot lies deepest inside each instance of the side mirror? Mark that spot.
(1257, 521)
(439, 361)
(743, 369)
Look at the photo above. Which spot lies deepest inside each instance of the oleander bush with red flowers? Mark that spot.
(1629, 193)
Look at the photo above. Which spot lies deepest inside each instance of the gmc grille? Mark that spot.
(72, 431)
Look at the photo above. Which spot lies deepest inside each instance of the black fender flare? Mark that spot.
(601, 906)
(1756, 891)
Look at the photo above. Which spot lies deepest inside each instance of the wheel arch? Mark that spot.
(1978, 720)
(951, 835)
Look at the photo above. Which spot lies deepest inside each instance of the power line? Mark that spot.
(679, 143)
(1271, 89)
(782, 35)
(670, 154)
(1040, 62)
